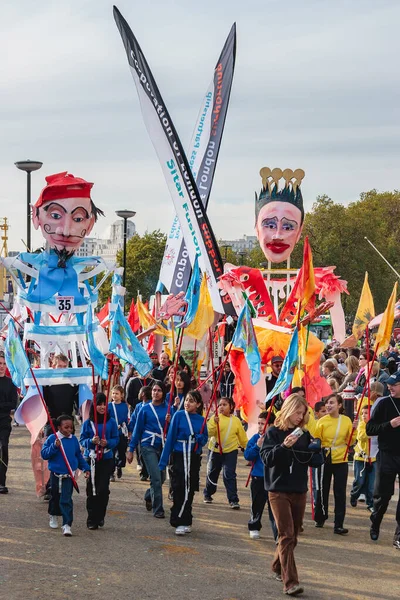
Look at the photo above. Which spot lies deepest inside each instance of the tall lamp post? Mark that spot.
(28, 166)
(125, 215)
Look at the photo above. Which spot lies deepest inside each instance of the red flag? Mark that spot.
(220, 331)
(133, 317)
(103, 314)
(150, 343)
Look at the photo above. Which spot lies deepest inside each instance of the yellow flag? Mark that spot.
(147, 320)
(365, 311)
(204, 316)
(385, 328)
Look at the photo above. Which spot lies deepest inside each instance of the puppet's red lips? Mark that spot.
(277, 248)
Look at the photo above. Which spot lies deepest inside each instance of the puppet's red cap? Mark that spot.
(64, 185)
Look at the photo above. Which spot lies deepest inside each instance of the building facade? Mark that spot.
(108, 248)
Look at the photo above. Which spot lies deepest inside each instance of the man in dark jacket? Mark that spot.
(8, 402)
(385, 423)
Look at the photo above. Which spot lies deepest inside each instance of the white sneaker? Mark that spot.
(188, 529)
(254, 535)
(53, 522)
(66, 530)
(181, 530)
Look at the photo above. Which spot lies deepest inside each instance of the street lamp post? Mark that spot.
(125, 215)
(28, 166)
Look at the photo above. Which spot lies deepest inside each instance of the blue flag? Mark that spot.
(125, 345)
(245, 339)
(192, 295)
(97, 358)
(286, 375)
(16, 359)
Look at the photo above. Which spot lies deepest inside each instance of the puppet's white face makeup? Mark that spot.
(65, 223)
(278, 230)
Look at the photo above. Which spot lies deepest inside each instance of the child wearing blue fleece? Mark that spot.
(99, 443)
(60, 480)
(149, 432)
(144, 397)
(258, 493)
(184, 442)
(118, 410)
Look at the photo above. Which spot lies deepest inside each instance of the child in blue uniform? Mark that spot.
(118, 410)
(60, 480)
(99, 452)
(149, 431)
(182, 387)
(144, 397)
(184, 443)
(258, 493)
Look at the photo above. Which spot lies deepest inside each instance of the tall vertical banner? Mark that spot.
(189, 208)
(203, 154)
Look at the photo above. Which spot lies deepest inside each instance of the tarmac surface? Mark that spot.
(139, 557)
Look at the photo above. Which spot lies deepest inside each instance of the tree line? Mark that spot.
(337, 237)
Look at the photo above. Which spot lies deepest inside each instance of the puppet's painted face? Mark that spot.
(64, 223)
(278, 230)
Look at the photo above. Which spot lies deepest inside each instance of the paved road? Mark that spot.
(139, 557)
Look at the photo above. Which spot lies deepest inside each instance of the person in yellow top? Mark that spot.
(334, 430)
(364, 464)
(232, 437)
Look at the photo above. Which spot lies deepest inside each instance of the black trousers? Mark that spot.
(120, 452)
(387, 468)
(339, 472)
(5, 430)
(177, 475)
(97, 505)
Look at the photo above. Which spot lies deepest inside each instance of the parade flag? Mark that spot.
(204, 316)
(289, 364)
(192, 295)
(306, 293)
(386, 326)
(147, 320)
(245, 338)
(16, 359)
(203, 154)
(103, 314)
(197, 232)
(125, 345)
(133, 317)
(97, 358)
(365, 311)
(32, 413)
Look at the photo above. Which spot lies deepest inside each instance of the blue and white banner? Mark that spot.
(197, 232)
(203, 154)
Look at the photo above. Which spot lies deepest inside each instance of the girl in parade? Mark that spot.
(286, 455)
(184, 443)
(258, 493)
(99, 437)
(118, 410)
(334, 430)
(182, 386)
(60, 480)
(144, 398)
(149, 432)
(232, 436)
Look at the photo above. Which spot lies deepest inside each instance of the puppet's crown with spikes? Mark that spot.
(290, 192)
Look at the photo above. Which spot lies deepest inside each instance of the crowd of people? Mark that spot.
(165, 420)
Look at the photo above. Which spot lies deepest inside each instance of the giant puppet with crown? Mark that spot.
(283, 299)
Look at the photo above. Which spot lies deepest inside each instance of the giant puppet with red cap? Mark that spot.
(65, 211)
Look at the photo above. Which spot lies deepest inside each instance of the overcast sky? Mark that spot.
(316, 87)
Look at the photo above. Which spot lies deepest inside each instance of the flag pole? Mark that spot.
(381, 255)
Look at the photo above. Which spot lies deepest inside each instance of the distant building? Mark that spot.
(108, 248)
(244, 244)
